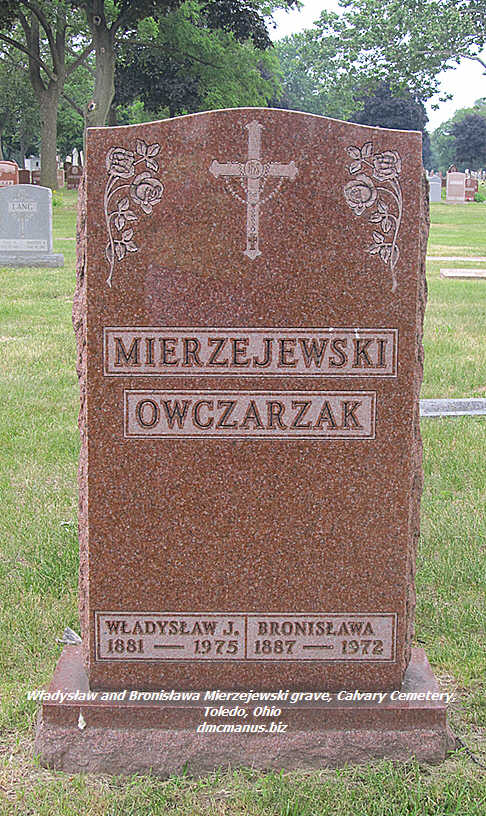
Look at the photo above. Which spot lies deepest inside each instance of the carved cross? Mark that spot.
(253, 174)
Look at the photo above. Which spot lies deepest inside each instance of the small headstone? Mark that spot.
(466, 274)
(73, 176)
(249, 321)
(435, 188)
(25, 176)
(471, 188)
(32, 163)
(26, 227)
(456, 187)
(60, 178)
(9, 173)
(36, 177)
(474, 406)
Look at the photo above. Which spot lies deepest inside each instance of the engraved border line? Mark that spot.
(242, 374)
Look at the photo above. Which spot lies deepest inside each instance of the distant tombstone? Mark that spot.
(26, 227)
(9, 173)
(32, 163)
(73, 176)
(456, 188)
(35, 175)
(435, 189)
(75, 156)
(81, 158)
(60, 177)
(471, 188)
(25, 176)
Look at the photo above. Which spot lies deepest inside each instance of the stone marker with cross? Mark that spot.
(26, 227)
(250, 467)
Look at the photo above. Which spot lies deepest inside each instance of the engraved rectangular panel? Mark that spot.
(250, 414)
(321, 637)
(245, 636)
(169, 636)
(234, 352)
(23, 244)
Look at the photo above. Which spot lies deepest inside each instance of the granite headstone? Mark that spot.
(26, 227)
(25, 176)
(435, 189)
(9, 173)
(251, 289)
(73, 176)
(456, 187)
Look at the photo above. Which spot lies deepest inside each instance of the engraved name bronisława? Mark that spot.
(233, 352)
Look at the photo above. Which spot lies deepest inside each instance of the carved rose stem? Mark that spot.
(397, 196)
(111, 188)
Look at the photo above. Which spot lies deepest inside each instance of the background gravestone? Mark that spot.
(251, 288)
(435, 189)
(9, 173)
(25, 176)
(471, 188)
(456, 187)
(26, 227)
(73, 175)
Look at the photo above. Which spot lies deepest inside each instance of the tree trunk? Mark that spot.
(49, 101)
(99, 108)
(1, 149)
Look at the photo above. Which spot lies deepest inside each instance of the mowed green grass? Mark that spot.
(455, 321)
(38, 566)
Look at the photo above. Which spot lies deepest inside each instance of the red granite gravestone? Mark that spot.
(25, 176)
(471, 188)
(9, 173)
(60, 178)
(36, 176)
(249, 318)
(73, 176)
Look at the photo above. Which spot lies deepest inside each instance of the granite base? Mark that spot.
(50, 260)
(125, 737)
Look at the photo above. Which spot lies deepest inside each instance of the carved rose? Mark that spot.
(120, 162)
(387, 165)
(360, 193)
(146, 191)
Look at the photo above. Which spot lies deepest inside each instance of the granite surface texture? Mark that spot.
(123, 737)
(248, 223)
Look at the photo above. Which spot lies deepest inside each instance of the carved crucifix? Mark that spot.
(253, 175)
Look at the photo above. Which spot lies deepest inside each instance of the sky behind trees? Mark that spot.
(467, 82)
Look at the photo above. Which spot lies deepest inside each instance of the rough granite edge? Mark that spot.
(417, 467)
(79, 325)
(142, 750)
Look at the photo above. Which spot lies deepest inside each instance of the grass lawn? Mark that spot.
(38, 568)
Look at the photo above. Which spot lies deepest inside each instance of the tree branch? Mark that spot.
(89, 48)
(31, 56)
(478, 59)
(73, 104)
(34, 8)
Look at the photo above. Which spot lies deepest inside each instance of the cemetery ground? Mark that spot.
(38, 567)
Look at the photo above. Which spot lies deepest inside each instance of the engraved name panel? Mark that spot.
(236, 352)
(250, 414)
(24, 244)
(245, 636)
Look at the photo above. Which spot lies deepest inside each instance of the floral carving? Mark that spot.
(362, 193)
(145, 190)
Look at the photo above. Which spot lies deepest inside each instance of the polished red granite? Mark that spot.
(9, 173)
(128, 736)
(249, 315)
